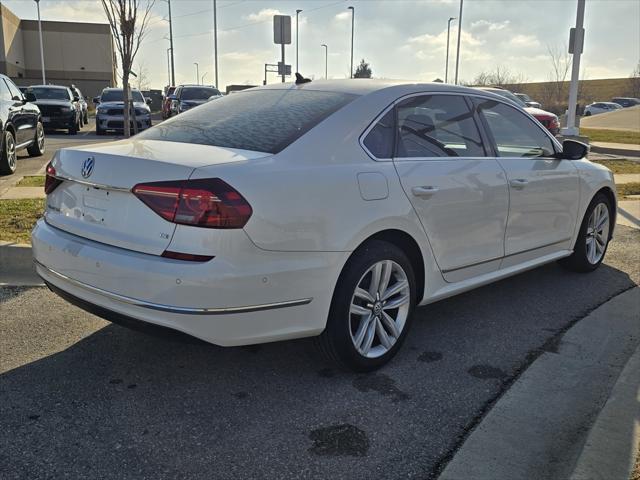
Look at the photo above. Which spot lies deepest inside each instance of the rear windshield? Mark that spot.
(198, 93)
(43, 93)
(116, 96)
(260, 120)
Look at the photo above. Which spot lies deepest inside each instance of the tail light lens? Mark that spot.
(207, 202)
(51, 182)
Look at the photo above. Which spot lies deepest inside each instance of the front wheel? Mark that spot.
(371, 308)
(8, 156)
(36, 149)
(593, 237)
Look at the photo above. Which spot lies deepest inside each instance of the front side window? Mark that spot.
(515, 134)
(437, 126)
(259, 120)
(380, 139)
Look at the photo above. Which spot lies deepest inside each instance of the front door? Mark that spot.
(544, 191)
(460, 195)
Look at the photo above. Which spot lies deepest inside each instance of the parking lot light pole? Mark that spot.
(446, 64)
(576, 48)
(458, 49)
(169, 67)
(297, 41)
(197, 73)
(353, 14)
(215, 41)
(326, 59)
(44, 80)
(173, 70)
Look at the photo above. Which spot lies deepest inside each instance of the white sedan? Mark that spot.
(329, 209)
(600, 107)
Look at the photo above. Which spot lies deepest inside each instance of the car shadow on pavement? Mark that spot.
(161, 407)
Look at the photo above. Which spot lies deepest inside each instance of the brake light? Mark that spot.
(187, 257)
(206, 202)
(50, 181)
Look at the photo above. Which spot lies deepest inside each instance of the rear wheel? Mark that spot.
(593, 238)
(8, 156)
(74, 128)
(588, 114)
(99, 131)
(37, 147)
(371, 308)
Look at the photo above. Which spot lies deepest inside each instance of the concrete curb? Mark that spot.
(16, 265)
(618, 423)
(621, 152)
(546, 425)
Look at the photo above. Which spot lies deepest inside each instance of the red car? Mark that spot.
(548, 119)
(166, 103)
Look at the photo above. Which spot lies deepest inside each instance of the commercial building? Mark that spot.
(74, 53)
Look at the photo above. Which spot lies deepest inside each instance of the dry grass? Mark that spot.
(613, 136)
(32, 181)
(620, 166)
(625, 189)
(17, 218)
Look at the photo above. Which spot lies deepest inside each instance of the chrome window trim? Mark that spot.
(170, 308)
(100, 186)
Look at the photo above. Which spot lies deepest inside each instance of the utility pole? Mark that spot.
(353, 14)
(44, 80)
(173, 70)
(446, 65)
(215, 41)
(297, 41)
(326, 59)
(168, 68)
(458, 49)
(576, 43)
(197, 73)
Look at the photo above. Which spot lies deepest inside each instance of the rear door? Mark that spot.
(544, 191)
(459, 194)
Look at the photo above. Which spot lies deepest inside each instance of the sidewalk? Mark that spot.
(573, 414)
(622, 149)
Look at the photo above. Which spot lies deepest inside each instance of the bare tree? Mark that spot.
(500, 76)
(128, 20)
(634, 83)
(560, 66)
(142, 80)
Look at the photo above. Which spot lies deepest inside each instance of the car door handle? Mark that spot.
(425, 191)
(518, 183)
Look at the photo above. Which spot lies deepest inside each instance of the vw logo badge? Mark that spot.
(87, 167)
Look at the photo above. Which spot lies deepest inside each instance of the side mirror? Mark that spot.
(172, 97)
(574, 150)
(148, 100)
(76, 98)
(96, 100)
(30, 97)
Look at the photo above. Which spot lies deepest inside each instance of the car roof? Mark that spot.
(48, 86)
(111, 89)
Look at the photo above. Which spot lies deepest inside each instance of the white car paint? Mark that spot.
(601, 107)
(314, 203)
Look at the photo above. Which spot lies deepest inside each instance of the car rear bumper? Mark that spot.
(237, 301)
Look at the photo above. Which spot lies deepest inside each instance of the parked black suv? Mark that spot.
(21, 126)
(626, 101)
(84, 106)
(59, 106)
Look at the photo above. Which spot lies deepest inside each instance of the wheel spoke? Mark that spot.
(368, 339)
(382, 334)
(386, 276)
(398, 302)
(376, 274)
(362, 329)
(601, 221)
(364, 295)
(395, 289)
(358, 310)
(390, 325)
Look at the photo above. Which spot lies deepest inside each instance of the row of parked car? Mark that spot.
(616, 103)
(184, 97)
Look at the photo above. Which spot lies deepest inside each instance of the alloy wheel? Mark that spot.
(10, 146)
(597, 233)
(379, 308)
(40, 137)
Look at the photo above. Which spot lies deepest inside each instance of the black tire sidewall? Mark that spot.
(579, 256)
(338, 328)
(5, 169)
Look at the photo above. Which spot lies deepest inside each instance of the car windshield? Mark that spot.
(509, 95)
(116, 96)
(259, 120)
(44, 93)
(198, 93)
(523, 96)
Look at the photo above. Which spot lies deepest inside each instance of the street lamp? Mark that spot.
(197, 72)
(297, 41)
(353, 14)
(215, 41)
(169, 66)
(326, 59)
(459, 35)
(44, 80)
(173, 70)
(446, 65)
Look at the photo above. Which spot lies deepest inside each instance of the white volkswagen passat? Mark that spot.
(328, 208)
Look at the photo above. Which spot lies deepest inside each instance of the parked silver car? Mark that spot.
(110, 111)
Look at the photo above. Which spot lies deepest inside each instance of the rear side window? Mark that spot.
(261, 120)
(437, 126)
(515, 134)
(379, 141)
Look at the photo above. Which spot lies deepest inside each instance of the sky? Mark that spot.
(400, 39)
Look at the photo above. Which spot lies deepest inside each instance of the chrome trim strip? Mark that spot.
(24, 144)
(506, 256)
(170, 308)
(100, 186)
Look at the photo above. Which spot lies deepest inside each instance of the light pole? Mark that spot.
(326, 59)
(297, 41)
(44, 80)
(215, 41)
(169, 67)
(173, 70)
(459, 35)
(197, 72)
(353, 14)
(446, 65)
(576, 49)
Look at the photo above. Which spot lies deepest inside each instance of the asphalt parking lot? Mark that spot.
(82, 398)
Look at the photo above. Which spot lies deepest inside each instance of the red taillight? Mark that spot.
(50, 181)
(207, 202)
(187, 257)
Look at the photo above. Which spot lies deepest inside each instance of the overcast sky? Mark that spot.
(403, 39)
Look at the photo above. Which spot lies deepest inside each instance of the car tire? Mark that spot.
(86, 118)
(8, 155)
(99, 131)
(593, 237)
(359, 311)
(73, 130)
(80, 122)
(37, 148)
(588, 114)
